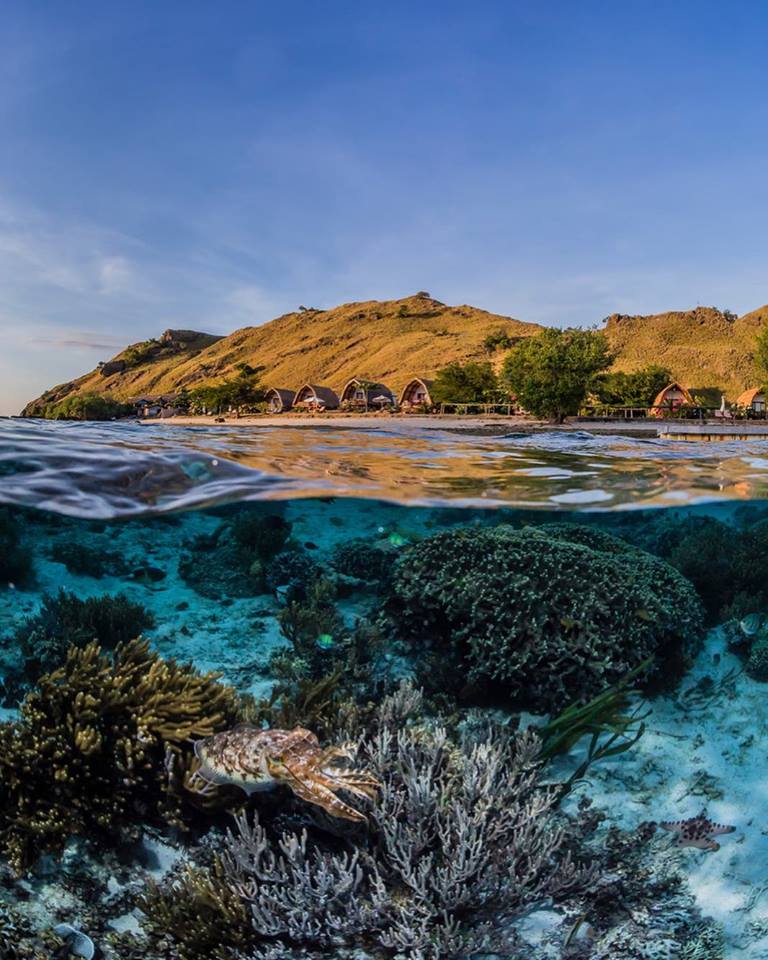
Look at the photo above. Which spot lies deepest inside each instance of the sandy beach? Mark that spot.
(471, 424)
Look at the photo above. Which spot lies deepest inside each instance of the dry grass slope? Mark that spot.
(387, 340)
(394, 340)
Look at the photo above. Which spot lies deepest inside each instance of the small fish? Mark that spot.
(642, 614)
(397, 539)
(325, 642)
(567, 622)
(751, 624)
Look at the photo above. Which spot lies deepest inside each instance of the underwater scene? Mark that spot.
(377, 696)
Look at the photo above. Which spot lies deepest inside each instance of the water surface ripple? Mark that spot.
(125, 469)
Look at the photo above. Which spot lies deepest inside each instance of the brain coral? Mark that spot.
(546, 615)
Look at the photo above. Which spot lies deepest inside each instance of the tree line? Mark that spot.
(551, 375)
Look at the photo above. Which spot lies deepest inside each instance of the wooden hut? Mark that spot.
(316, 398)
(361, 394)
(279, 400)
(670, 399)
(753, 401)
(416, 394)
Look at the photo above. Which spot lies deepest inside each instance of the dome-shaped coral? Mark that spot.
(547, 615)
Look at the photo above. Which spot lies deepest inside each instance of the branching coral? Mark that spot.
(538, 614)
(102, 746)
(461, 837)
(65, 620)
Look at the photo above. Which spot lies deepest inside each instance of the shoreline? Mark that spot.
(450, 422)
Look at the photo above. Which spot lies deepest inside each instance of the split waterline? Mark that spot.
(327, 574)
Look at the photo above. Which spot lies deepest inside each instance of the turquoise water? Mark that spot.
(314, 692)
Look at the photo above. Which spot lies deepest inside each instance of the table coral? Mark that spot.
(545, 615)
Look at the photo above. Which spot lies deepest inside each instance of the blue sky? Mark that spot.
(212, 165)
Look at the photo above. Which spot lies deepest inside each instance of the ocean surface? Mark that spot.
(381, 693)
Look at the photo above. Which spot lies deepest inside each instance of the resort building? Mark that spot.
(279, 400)
(670, 399)
(752, 400)
(316, 398)
(416, 394)
(162, 406)
(361, 394)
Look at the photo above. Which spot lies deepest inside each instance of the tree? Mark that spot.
(465, 383)
(637, 389)
(550, 374)
(87, 406)
(238, 393)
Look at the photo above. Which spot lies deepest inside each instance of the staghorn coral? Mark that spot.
(462, 837)
(538, 615)
(65, 620)
(102, 746)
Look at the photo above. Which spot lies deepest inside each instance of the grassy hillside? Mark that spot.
(709, 351)
(389, 340)
(394, 340)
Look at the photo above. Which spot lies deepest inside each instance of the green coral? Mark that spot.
(103, 746)
(544, 616)
(201, 912)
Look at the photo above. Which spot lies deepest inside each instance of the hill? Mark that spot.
(393, 340)
(708, 350)
(387, 340)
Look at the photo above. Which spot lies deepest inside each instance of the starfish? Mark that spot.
(697, 831)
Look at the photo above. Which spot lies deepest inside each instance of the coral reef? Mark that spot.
(101, 747)
(291, 575)
(462, 837)
(64, 620)
(544, 616)
(15, 557)
(234, 559)
(89, 560)
(362, 560)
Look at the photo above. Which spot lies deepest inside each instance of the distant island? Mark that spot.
(709, 350)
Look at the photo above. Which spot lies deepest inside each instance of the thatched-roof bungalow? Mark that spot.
(670, 399)
(365, 395)
(416, 394)
(279, 400)
(317, 398)
(752, 400)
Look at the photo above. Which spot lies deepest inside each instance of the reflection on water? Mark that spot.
(122, 469)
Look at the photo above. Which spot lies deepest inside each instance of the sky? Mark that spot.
(213, 165)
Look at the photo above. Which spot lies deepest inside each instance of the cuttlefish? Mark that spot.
(254, 759)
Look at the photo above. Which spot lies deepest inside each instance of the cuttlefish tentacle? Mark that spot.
(321, 794)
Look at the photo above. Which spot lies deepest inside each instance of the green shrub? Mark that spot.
(87, 406)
